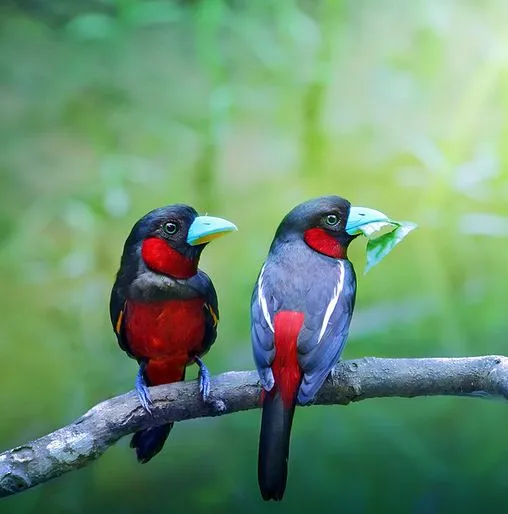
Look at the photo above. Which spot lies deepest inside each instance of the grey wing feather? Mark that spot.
(262, 341)
(317, 356)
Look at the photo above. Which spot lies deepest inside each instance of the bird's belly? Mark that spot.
(165, 329)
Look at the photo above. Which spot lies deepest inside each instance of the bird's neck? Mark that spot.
(160, 257)
(322, 242)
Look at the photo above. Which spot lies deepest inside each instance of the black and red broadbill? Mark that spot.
(163, 308)
(300, 314)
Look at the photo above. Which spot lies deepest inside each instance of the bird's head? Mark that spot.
(327, 224)
(170, 239)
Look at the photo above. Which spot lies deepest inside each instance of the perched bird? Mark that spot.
(301, 309)
(163, 308)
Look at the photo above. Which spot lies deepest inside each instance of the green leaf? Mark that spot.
(378, 248)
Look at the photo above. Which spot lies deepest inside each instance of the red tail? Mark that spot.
(279, 406)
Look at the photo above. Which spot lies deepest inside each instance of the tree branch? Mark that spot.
(88, 437)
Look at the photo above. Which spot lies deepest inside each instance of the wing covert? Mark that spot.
(325, 331)
(117, 309)
(202, 283)
(262, 332)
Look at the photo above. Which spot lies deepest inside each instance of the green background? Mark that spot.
(244, 109)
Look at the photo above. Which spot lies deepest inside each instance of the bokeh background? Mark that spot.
(110, 108)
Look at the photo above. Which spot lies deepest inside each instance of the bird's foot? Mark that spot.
(142, 389)
(204, 387)
(204, 379)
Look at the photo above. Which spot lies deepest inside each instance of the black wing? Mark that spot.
(262, 335)
(203, 285)
(325, 330)
(117, 307)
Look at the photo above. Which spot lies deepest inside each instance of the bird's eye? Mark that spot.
(332, 220)
(170, 228)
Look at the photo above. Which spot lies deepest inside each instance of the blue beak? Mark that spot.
(206, 228)
(360, 216)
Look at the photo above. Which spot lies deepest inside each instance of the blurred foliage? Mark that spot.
(243, 109)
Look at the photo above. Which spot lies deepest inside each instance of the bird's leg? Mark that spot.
(204, 379)
(142, 389)
(204, 387)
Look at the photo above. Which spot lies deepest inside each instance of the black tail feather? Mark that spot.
(274, 447)
(149, 442)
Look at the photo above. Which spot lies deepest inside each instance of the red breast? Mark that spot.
(165, 329)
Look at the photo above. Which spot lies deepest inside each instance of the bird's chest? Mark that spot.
(167, 328)
(300, 281)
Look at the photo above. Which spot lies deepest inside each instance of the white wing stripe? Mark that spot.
(262, 300)
(333, 301)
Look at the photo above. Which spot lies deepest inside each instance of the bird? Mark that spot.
(301, 309)
(163, 308)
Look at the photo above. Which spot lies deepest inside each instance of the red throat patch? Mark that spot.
(286, 370)
(161, 258)
(320, 241)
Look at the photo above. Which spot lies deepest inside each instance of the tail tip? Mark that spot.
(143, 455)
(149, 442)
(275, 495)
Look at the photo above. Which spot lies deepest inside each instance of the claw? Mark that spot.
(204, 387)
(204, 380)
(142, 389)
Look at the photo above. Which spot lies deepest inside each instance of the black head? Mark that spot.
(320, 222)
(329, 213)
(170, 224)
(169, 240)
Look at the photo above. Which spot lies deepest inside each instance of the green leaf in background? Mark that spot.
(92, 26)
(155, 12)
(379, 247)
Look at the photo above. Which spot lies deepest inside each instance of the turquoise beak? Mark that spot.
(360, 216)
(206, 228)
